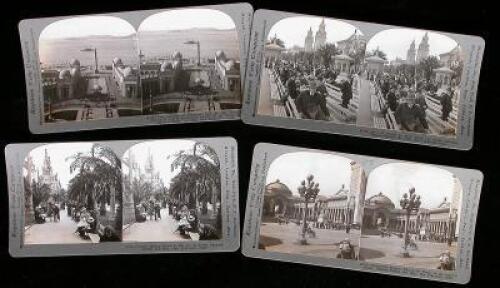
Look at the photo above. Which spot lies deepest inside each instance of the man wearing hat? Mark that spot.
(446, 261)
(309, 102)
(446, 105)
(346, 250)
(411, 117)
(346, 90)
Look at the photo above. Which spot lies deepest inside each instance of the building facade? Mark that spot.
(438, 223)
(320, 37)
(49, 177)
(309, 41)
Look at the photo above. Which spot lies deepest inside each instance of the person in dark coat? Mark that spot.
(420, 100)
(446, 261)
(346, 90)
(323, 93)
(446, 105)
(309, 103)
(346, 250)
(291, 86)
(392, 100)
(411, 117)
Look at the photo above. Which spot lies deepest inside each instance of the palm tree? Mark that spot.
(326, 53)
(199, 176)
(98, 178)
(426, 66)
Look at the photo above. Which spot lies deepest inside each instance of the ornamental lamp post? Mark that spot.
(308, 190)
(409, 204)
(197, 43)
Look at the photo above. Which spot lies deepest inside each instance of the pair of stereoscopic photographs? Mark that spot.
(223, 62)
(271, 68)
(181, 195)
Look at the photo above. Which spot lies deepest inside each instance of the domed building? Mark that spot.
(377, 212)
(227, 72)
(430, 223)
(278, 199)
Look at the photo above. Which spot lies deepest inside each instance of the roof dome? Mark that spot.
(74, 62)
(177, 65)
(127, 71)
(165, 66)
(380, 199)
(64, 74)
(177, 55)
(220, 54)
(276, 188)
(343, 57)
(117, 61)
(229, 64)
(444, 204)
(75, 72)
(375, 59)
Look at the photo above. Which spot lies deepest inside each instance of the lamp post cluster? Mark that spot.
(409, 203)
(308, 190)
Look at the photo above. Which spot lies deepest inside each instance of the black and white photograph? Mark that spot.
(189, 62)
(72, 194)
(89, 69)
(172, 192)
(313, 206)
(411, 216)
(413, 80)
(311, 70)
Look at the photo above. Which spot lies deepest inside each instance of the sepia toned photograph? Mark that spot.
(89, 69)
(311, 70)
(411, 216)
(313, 206)
(172, 192)
(412, 79)
(189, 62)
(72, 194)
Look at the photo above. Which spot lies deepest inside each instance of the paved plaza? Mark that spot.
(387, 251)
(62, 232)
(283, 238)
(162, 230)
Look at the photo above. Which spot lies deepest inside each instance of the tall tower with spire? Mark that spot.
(423, 48)
(320, 38)
(49, 177)
(308, 45)
(410, 54)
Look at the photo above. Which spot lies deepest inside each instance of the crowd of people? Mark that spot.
(305, 84)
(50, 211)
(406, 98)
(148, 210)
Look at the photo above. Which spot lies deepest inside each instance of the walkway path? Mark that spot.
(365, 117)
(61, 232)
(162, 230)
(265, 105)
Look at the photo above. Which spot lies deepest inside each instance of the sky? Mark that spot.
(393, 180)
(87, 26)
(396, 42)
(330, 171)
(58, 154)
(160, 149)
(293, 30)
(181, 19)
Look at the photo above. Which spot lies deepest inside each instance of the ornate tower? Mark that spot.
(320, 38)
(423, 48)
(308, 45)
(410, 54)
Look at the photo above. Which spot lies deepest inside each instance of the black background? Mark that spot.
(233, 269)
